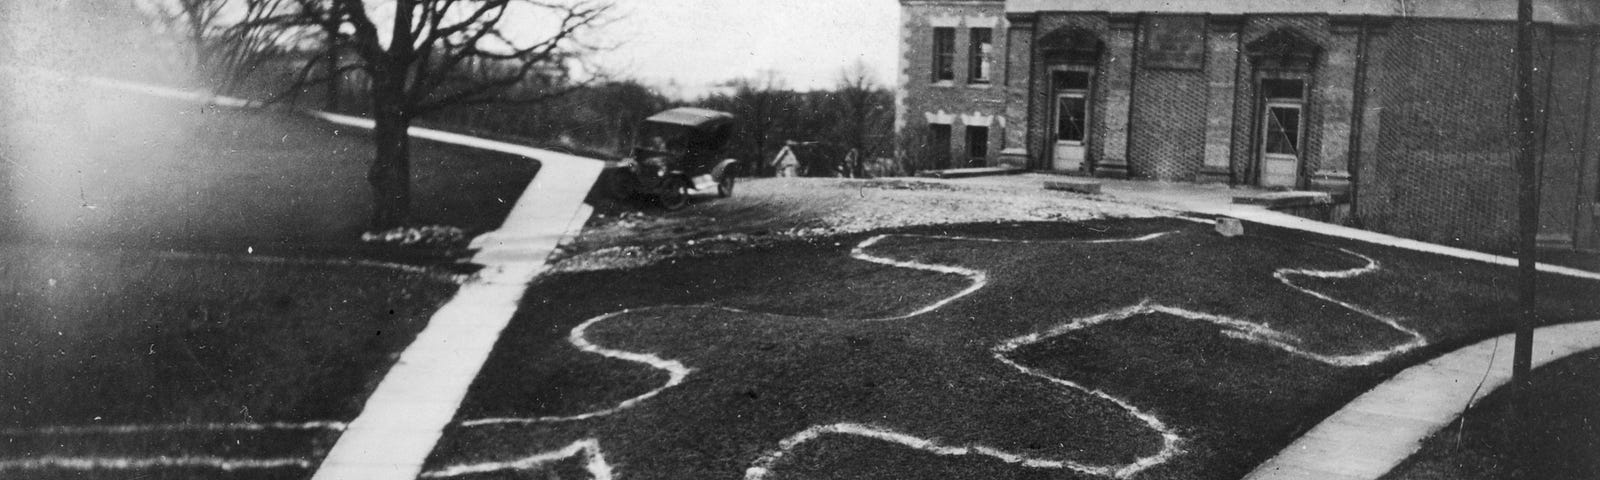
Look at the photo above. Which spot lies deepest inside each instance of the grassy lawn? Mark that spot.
(1074, 359)
(153, 173)
(1561, 431)
(184, 292)
(108, 339)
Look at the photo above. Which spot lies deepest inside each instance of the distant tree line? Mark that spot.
(453, 64)
(403, 61)
(603, 119)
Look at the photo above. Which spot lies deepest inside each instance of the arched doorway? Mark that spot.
(1283, 64)
(1072, 61)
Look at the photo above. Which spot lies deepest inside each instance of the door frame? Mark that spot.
(1264, 104)
(1088, 96)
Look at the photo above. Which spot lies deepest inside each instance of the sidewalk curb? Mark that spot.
(1381, 428)
(406, 415)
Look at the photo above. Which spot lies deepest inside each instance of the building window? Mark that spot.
(982, 68)
(1072, 118)
(1283, 88)
(944, 54)
(1283, 129)
(1285, 99)
(1072, 106)
(939, 144)
(977, 144)
(1068, 80)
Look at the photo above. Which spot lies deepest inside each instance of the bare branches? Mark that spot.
(478, 40)
(437, 53)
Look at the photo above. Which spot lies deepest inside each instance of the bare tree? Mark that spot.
(863, 114)
(229, 39)
(199, 22)
(762, 105)
(422, 56)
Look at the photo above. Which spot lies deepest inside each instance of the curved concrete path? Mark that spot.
(1381, 428)
(407, 413)
(1384, 426)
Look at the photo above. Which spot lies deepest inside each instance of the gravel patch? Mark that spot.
(764, 211)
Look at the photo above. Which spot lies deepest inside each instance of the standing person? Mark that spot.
(851, 167)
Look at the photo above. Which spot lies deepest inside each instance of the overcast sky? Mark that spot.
(696, 43)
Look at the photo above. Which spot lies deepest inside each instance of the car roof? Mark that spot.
(697, 118)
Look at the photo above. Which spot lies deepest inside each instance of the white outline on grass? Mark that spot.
(594, 459)
(171, 427)
(595, 462)
(677, 371)
(1171, 441)
(87, 463)
(759, 469)
(432, 273)
(141, 463)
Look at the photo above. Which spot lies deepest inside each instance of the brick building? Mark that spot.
(1402, 109)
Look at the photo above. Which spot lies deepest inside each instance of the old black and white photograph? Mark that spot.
(800, 239)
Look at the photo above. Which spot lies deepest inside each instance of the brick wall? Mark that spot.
(1167, 119)
(1420, 117)
(1587, 234)
(1018, 60)
(1313, 28)
(1107, 136)
(1441, 169)
(1165, 124)
(958, 102)
(1222, 68)
(1563, 143)
(1334, 95)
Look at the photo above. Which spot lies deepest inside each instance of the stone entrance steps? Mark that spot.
(970, 172)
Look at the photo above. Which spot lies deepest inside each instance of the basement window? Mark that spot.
(939, 144)
(977, 143)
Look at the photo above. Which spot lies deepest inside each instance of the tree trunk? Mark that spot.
(390, 173)
(331, 62)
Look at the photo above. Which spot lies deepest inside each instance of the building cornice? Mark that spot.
(1560, 12)
(936, 3)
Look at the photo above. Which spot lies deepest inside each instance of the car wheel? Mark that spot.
(674, 194)
(623, 182)
(725, 185)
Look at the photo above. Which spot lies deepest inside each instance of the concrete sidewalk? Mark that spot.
(1386, 425)
(416, 400)
(407, 413)
(1379, 429)
(1217, 200)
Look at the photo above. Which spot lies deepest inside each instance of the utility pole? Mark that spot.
(1527, 198)
(1527, 245)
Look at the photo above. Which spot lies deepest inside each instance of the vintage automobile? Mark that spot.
(678, 153)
